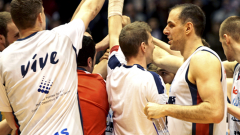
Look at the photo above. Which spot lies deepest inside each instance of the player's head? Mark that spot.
(135, 39)
(8, 31)
(229, 35)
(184, 20)
(86, 54)
(166, 76)
(27, 14)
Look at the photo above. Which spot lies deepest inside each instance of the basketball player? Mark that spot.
(229, 37)
(8, 34)
(129, 85)
(8, 31)
(39, 70)
(198, 93)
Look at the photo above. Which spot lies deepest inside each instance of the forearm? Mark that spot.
(102, 45)
(233, 110)
(165, 47)
(115, 27)
(170, 63)
(202, 113)
(4, 127)
(101, 68)
(77, 10)
(88, 10)
(10, 120)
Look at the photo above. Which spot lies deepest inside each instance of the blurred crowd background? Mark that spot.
(155, 12)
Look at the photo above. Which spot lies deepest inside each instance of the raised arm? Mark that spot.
(164, 60)
(166, 47)
(114, 21)
(87, 10)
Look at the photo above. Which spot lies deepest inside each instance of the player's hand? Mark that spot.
(154, 110)
(105, 56)
(125, 20)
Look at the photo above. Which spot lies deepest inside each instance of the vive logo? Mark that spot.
(42, 63)
(45, 86)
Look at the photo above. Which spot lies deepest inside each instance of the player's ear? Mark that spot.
(188, 27)
(227, 39)
(143, 46)
(39, 18)
(2, 41)
(89, 62)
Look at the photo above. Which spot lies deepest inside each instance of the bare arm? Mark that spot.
(165, 47)
(77, 10)
(233, 110)
(114, 28)
(87, 11)
(10, 120)
(229, 87)
(164, 60)
(101, 67)
(4, 127)
(229, 68)
(211, 110)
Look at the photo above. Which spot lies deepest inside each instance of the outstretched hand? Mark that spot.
(154, 110)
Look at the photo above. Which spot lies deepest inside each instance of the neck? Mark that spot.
(27, 32)
(191, 46)
(85, 68)
(236, 51)
(137, 60)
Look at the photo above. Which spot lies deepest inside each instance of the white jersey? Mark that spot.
(40, 77)
(129, 89)
(234, 123)
(183, 92)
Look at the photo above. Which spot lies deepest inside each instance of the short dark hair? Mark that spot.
(192, 13)
(5, 19)
(88, 50)
(24, 12)
(231, 26)
(131, 37)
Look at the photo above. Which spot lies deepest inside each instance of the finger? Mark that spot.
(145, 110)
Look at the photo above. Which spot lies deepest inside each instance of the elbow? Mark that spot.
(218, 116)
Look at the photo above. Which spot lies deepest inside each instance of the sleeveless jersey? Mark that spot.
(40, 77)
(235, 100)
(183, 92)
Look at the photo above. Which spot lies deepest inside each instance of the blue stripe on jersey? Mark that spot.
(113, 62)
(138, 66)
(80, 113)
(1, 117)
(210, 129)
(158, 82)
(192, 88)
(75, 50)
(235, 67)
(228, 100)
(193, 128)
(27, 37)
(217, 57)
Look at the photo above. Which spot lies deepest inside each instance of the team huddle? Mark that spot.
(50, 83)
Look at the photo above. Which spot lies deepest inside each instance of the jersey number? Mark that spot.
(63, 132)
(236, 133)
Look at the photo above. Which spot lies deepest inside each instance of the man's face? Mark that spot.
(150, 48)
(12, 35)
(226, 48)
(174, 30)
(166, 76)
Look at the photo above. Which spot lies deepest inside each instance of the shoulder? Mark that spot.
(203, 58)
